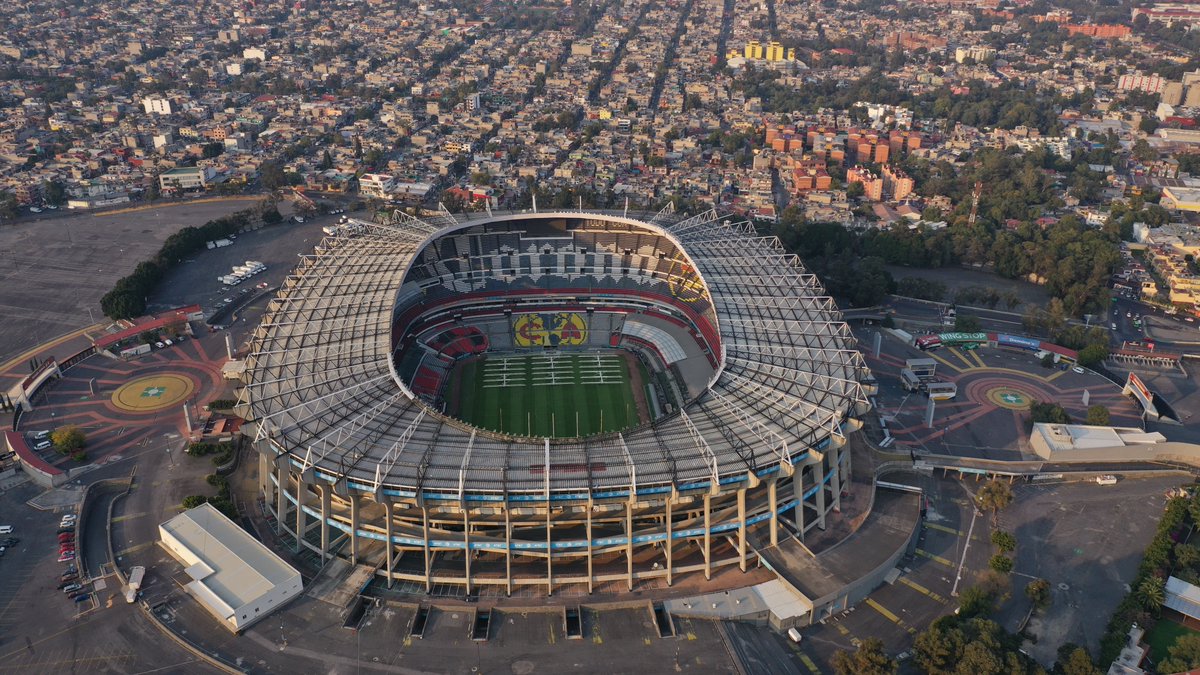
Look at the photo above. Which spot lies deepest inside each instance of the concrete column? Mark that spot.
(820, 477)
(835, 483)
(629, 542)
(301, 520)
(773, 503)
(798, 493)
(508, 553)
(668, 544)
(467, 545)
(281, 474)
(388, 507)
(549, 554)
(708, 536)
(326, 514)
(264, 478)
(741, 504)
(589, 545)
(428, 559)
(353, 529)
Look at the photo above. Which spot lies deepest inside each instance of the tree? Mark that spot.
(148, 337)
(271, 216)
(213, 149)
(1038, 592)
(68, 439)
(326, 161)
(1097, 415)
(1001, 563)
(1005, 541)
(993, 496)
(8, 205)
(53, 192)
(854, 190)
(1074, 660)
(868, 659)
(192, 501)
(1151, 593)
(1183, 655)
(1092, 355)
(1047, 360)
(1048, 413)
(966, 323)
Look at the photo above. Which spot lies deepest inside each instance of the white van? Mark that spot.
(795, 635)
(1107, 479)
(6, 529)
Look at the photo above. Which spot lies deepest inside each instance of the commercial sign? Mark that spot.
(1018, 341)
(963, 337)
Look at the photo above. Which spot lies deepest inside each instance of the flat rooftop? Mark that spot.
(239, 568)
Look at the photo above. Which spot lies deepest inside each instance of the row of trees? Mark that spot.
(130, 294)
(1167, 555)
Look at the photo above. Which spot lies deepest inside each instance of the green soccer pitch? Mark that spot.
(561, 395)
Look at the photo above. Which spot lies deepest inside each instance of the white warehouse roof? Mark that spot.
(230, 569)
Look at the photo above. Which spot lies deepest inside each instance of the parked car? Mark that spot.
(159, 345)
(42, 445)
(82, 596)
(71, 588)
(10, 541)
(66, 557)
(6, 529)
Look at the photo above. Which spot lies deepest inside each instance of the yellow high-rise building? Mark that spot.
(754, 50)
(774, 51)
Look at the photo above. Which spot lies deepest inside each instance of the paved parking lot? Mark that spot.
(56, 268)
(44, 632)
(921, 593)
(1087, 540)
(276, 246)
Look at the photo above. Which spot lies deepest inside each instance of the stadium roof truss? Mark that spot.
(323, 388)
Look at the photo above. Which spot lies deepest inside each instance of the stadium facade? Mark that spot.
(755, 384)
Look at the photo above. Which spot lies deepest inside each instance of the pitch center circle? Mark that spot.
(1007, 397)
(156, 392)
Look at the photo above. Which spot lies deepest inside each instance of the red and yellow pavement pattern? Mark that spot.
(156, 392)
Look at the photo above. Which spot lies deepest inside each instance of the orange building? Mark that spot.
(897, 183)
(872, 184)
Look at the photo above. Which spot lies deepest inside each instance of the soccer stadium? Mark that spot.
(537, 400)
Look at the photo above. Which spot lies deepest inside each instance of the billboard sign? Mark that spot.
(1018, 341)
(958, 338)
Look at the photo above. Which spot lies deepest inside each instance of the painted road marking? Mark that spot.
(808, 662)
(962, 358)
(887, 614)
(131, 516)
(974, 353)
(935, 558)
(842, 629)
(921, 589)
(944, 362)
(135, 548)
(1056, 376)
(949, 530)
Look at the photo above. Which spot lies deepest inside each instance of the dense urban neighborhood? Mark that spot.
(745, 336)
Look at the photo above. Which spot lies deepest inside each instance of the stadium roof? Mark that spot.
(322, 385)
